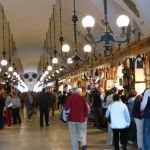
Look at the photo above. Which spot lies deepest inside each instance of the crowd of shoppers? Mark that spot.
(129, 115)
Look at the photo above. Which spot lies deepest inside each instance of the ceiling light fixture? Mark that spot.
(69, 61)
(65, 48)
(106, 37)
(4, 61)
(10, 68)
(87, 48)
(49, 68)
(76, 58)
(55, 59)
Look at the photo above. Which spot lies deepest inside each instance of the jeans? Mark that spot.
(139, 127)
(123, 133)
(146, 134)
(30, 111)
(74, 129)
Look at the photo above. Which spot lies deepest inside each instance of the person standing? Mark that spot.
(120, 121)
(52, 102)
(132, 128)
(109, 101)
(97, 106)
(8, 105)
(43, 105)
(2, 104)
(16, 107)
(136, 114)
(77, 117)
(29, 105)
(145, 107)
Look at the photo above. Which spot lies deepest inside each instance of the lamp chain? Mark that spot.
(9, 35)
(4, 53)
(105, 14)
(61, 39)
(55, 51)
(75, 19)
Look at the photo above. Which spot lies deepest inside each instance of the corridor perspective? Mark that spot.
(88, 60)
(29, 136)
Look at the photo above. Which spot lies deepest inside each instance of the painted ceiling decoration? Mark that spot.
(132, 7)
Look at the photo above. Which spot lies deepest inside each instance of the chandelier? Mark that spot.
(107, 37)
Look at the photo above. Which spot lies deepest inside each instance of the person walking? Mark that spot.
(109, 101)
(29, 105)
(119, 121)
(43, 105)
(16, 107)
(97, 106)
(77, 117)
(145, 108)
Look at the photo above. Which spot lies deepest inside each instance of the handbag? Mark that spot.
(64, 115)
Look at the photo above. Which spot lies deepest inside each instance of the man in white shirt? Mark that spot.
(120, 121)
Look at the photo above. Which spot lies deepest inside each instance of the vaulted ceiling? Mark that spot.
(29, 22)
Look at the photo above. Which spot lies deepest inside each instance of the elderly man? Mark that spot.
(77, 116)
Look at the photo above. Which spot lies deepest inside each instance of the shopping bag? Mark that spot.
(64, 115)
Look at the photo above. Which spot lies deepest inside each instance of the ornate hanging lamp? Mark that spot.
(4, 61)
(10, 68)
(55, 59)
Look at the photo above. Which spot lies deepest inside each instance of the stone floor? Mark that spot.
(29, 136)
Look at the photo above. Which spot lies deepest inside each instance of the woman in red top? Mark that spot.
(77, 116)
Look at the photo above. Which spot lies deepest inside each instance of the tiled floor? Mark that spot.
(29, 136)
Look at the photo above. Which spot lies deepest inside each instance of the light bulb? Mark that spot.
(123, 21)
(87, 48)
(49, 68)
(55, 60)
(69, 61)
(88, 22)
(65, 48)
(15, 73)
(46, 72)
(57, 71)
(10, 69)
(4, 62)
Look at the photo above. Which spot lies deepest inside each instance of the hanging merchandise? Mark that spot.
(83, 84)
(129, 75)
(95, 82)
(119, 82)
(110, 84)
(140, 82)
